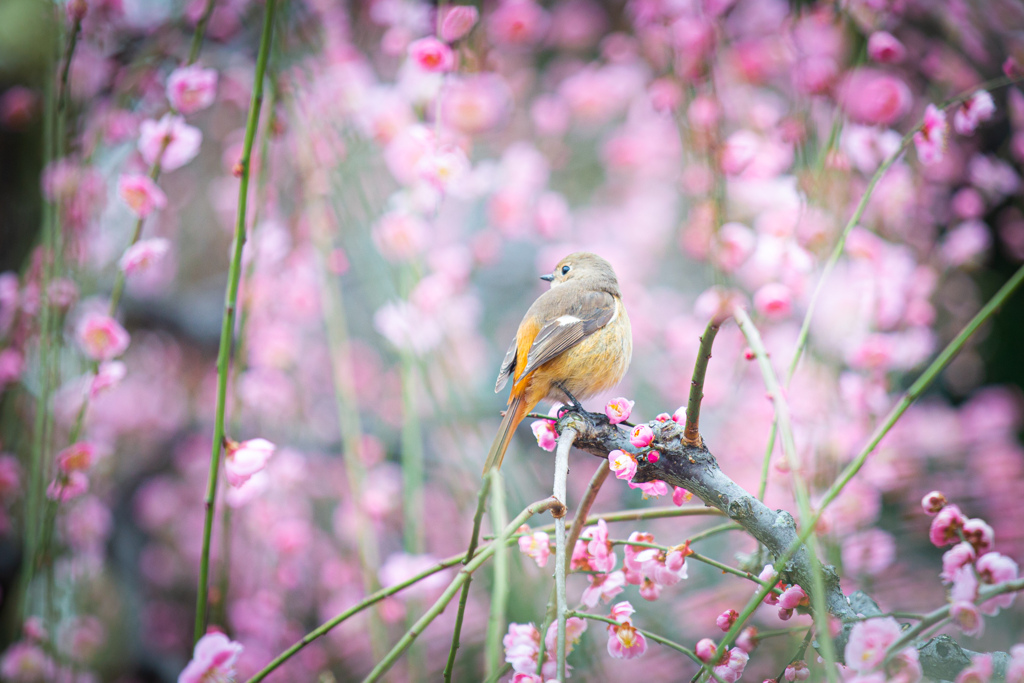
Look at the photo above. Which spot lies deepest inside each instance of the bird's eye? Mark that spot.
(566, 269)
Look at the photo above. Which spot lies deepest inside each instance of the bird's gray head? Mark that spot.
(586, 268)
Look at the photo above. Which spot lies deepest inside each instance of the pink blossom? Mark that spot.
(774, 301)
(536, 545)
(731, 667)
(665, 94)
(101, 337)
(475, 103)
(12, 363)
(706, 650)
(978, 533)
(109, 374)
(945, 526)
(994, 569)
(797, 671)
(650, 589)
(618, 410)
(601, 556)
(680, 496)
(574, 630)
(933, 502)
(960, 555)
(76, 457)
(191, 88)
(792, 597)
(550, 115)
(621, 611)
(458, 21)
(747, 640)
(930, 141)
(182, 142)
(520, 677)
(868, 642)
(734, 244)
(980, 670)
(68, 486)
(242, 460)
(517, 23)
(641, 436)
(726, 619)
(883, 47)
(432, 55)
(679, 416)
(875, 97)
(142, 255)
(625, 642)
(213, 659)
(1015, 667)
(141, 194)
(968, 116)
(962, 595)
(444, 167)
(603, 587)
(651, 488)
(26, 662)
(966, 244)
(547, 435)
(904, 667)
(622, 464)
(522, 647)
(400, 236)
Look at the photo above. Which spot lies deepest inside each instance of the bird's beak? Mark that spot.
(548, 278)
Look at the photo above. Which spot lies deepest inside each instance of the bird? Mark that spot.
(574, 341)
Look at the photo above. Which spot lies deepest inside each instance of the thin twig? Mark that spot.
(227, 329)
(499, 591)
(691, 431)
(565, 441)
(389, 660)
(474, 539)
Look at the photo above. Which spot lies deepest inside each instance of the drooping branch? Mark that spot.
(697, 470)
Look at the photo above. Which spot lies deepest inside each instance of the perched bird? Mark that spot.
(574, 342)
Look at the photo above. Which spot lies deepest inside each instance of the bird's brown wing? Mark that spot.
(507, 367)
(586, 313)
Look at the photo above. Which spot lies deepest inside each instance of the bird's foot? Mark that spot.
(575, 406)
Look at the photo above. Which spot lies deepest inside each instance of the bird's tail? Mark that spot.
(514, 414)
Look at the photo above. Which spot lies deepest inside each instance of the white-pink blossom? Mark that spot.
(182, 141)
(191, 88)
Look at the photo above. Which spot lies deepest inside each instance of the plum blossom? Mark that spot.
(76, 457)
(945, 526)
(726, 619)
(624, 641)
(680, 496)
(458, 21)
(547, 435)
(536, 545)
(993, 569)
(618, 410)
(885, 48)
(875, 97)
(706, 650)
(730, 667)
(794, 596)
(774, 300)
(1015, 667)
(141, 194)
(101, 337)
(979, 671)
(979, 534)
(522, 647)
(575, 627)
(933, 502)
(142, 255)
(28, 662)
(432, 55)
(964, 613)
(400, 236)
(797, 671)
(972, 113)
(622, 464)
(960, 555)
(178, 142)
(930, 141)
(68, 486)
(641, 436)
(191, 88)
(242, 460)
(869, 640)
(517, 23)
(213, 659)
(603, 587)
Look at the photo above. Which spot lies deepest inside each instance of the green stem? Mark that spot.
(384, 665)
(474, 539)
(500, 588)
(230, 302)
(800, 490)
(197, 37)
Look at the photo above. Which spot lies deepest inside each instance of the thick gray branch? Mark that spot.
(697, 471)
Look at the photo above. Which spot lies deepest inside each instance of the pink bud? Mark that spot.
(642, 436)
(792, 597)
(706, 650)
(726, 619)
(933, 502)
(979, 534)
(945, 526)
(458, 21)
(884, 48)
(680, 496)
(774, 300)
(547, 436)
(431, 55)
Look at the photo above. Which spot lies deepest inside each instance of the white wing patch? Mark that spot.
(567, 320)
